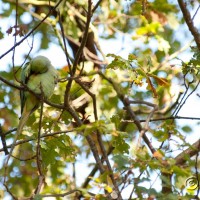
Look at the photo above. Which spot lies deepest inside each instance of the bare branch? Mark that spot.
(35, 28)
(195, 12)
(11, 84)
(96, 6)
(163, 119)
(146, 126)
(65, 46)
(189, 22)
(196, 171)
(42, 136)
(127, 106)
(64, 194)
(2, 135)
(190, 151)
(183, 101)
(38, 154)
(85, 35)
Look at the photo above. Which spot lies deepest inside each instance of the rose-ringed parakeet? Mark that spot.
(40, 77)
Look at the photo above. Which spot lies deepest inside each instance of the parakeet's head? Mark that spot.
(40, 64)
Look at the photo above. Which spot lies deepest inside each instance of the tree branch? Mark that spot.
(32, 139)
(35, 28)
(127, 106)
(190, 151)
(2, 135)
(189, 22)
(163, 119)
(85, 35)
(38, 154)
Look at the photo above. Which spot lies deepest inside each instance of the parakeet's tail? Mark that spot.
(22, 122)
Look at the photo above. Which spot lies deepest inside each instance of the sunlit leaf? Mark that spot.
(158, 155)
(108, 189)
(132, 57)
(118, 62)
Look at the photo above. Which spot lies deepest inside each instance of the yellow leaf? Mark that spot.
(138, 80)
(157, 155)
(115, 133)
(132, 57)
(108, 189)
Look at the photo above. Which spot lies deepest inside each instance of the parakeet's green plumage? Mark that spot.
(40, 77)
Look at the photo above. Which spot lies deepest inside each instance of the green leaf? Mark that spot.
(120, 145)
(180, 171)
(37, 197)
(118, 62)
(116, 120)
(57, 147)
(1, 34)
(151, 28)
(161, 135)
(49, 153)
(187, 129)
(90, 128)
(121, 160)
(132, 57)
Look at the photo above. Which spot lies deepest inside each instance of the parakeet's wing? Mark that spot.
(25, 73)
(44, 83)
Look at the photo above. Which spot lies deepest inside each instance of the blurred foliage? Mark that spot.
(146, 73)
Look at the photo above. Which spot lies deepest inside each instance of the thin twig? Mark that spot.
(162, 119)
(110, 171)
(15, 34)
(196, 12)
(33, 30)
(64, 194)
(89, 55)
(91, 95)
(146, 126)
(196, 171)
(42, 136)
(65, 46)
(127, 106)
(172, 56)
(85, 35)
(38, 154)
(2, 135)
(11, 84)
(96, 6)
(155, 108)
(181, 105)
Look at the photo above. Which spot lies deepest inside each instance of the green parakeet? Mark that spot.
(40, 77)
